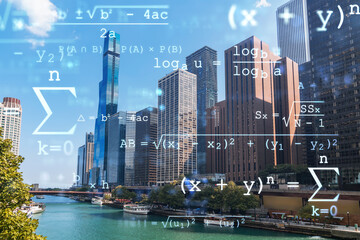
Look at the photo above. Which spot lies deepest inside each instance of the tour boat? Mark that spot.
(96, 201)
(136, 209)
(218, 221)
(40, 197)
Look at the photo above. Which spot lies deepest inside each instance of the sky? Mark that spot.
(33, 35)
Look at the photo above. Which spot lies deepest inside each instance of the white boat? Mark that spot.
(137, 209)
(37, 208)
(33, 208)
(96, 201)
(218, 221)
(40, 197)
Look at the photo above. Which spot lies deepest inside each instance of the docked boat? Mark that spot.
(33, 208)
(40, 197)
(37, 208)
(218, 221)
(137, 209)
(96, 201)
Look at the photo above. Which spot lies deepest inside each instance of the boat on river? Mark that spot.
(96, 201)
(137, 209)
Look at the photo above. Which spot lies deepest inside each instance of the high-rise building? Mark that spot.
(85, 160)
(80, 165)
(176, 126)
(292, 31)
(130, 149)
(10, 121)
(108, 102)
(216, 127)
(335, 78)
(259, 86)
(202, 63)
(89, 157)
(116, 151)
(145, 154)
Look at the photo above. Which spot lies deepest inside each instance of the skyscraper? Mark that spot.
(80, 165)
(130, 149)
(216, 158)
(201, 63)
(145, 154)
(10, 121)
(89, 157)
(292, 31)
(115, 167)
(108, 102)
(259, 85)
(176, 126)
(335, 79)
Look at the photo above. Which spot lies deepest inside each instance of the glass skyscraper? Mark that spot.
(202, 63)
(335, 79)
(292, 31)
(108, 102)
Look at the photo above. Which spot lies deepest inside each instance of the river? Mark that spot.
(71, 220)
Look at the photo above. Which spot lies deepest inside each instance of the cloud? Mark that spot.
(35, 43)
(42, 14)
(262, 3)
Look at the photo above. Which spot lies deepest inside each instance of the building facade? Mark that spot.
(80, 166)
(145, 150)
(130, 148)
(89, 157)
(108, 102)
(259, 85)
(335, 79)
(202, 63)
(10, 121)
(116, 150)
(292, 31)
(216, 127)
(177, 119)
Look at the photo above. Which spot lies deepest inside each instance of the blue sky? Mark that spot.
(191, 25)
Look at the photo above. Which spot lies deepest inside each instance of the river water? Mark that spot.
(71, 220)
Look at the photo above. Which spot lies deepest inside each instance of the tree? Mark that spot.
(230, 199)
(13, 194)
(306, 212)
(123, 193)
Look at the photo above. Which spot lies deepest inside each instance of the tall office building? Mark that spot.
(335, 57)
(130, 149)
(216, 127)
(115, 167)
(176, 126)
(108, 102)
(201, 63)
(292, 31)
(10, 121)
(145, 154)
(85, 160)
(80, 165)
(258, 83)
(89, 157)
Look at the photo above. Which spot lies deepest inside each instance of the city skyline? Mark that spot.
(52, 173)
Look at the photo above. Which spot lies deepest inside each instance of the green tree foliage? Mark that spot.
(123, 193)
(305, 212)
(230, 199)
(169, 194)
(13, 194)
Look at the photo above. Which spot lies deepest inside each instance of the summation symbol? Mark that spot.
(46, 107)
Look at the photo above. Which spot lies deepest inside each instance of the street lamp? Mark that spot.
(348, 217)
